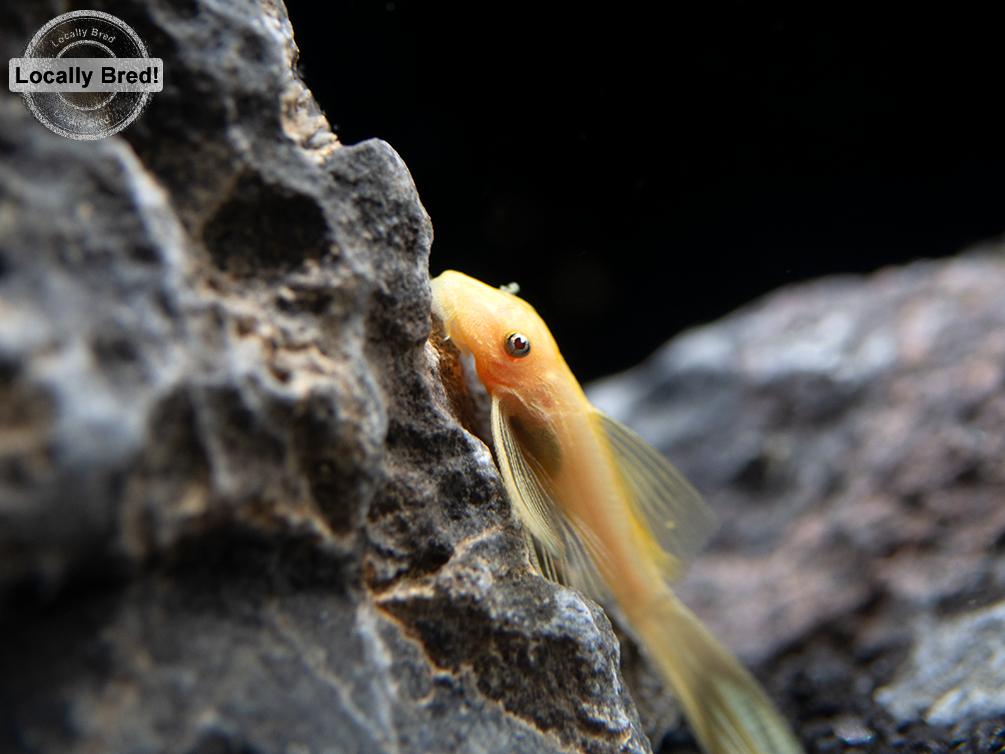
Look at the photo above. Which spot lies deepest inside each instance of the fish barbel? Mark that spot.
(606, 512)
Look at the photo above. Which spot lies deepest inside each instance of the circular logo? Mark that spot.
(82, 114)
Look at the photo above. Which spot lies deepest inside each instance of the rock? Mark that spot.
(850, 433)
(236, 510)
(239, 512)
(957, 670)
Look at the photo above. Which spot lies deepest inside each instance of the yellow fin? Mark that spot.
(726, 708)
(528, 487)
(657, 494)
(566, 551)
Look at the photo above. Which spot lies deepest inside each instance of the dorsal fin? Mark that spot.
(658, 495)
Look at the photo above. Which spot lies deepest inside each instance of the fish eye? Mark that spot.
(517, 345)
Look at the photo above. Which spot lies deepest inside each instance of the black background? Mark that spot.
(639, 169)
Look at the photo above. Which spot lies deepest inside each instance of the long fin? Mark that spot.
(727, 709)
(677, 517)
(566, 551)
(528, 487)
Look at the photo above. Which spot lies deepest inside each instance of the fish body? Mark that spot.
(605, 512)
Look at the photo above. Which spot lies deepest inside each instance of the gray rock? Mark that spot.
(956, 671)
(850, 433)
(236, 511)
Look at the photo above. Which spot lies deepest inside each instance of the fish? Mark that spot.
(604, 511)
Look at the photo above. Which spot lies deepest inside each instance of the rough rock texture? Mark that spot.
(850, 433)
(236, 512)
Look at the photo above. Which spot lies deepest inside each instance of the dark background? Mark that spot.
(642, 169)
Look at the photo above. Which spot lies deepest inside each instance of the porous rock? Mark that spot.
(850, 434)
(236, 510)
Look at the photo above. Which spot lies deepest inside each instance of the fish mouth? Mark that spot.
(446, 316)
(454, 336)
(453, 333)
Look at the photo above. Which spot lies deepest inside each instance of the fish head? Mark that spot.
(509, 341)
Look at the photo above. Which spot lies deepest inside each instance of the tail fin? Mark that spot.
(728, 710)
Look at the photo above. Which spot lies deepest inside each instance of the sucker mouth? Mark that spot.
(462, 345)
(481, 401)
(452, 333)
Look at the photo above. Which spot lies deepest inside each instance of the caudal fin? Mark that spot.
(728, 710)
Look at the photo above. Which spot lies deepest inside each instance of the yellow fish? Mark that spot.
(606, 512)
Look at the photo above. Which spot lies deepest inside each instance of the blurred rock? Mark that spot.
(236, 512)
(850, 433)
(956, 672)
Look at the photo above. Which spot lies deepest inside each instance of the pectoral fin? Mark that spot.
(566, 551)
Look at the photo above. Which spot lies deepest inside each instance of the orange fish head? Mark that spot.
(510, 343)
